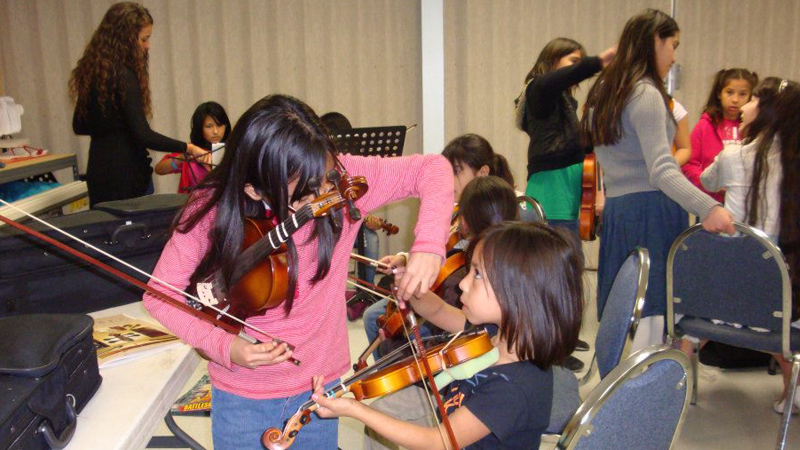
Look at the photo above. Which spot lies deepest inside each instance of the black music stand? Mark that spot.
(372, 141)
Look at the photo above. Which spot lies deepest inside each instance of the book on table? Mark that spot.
(122, 338)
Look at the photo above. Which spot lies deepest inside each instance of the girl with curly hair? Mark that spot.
(110, 88)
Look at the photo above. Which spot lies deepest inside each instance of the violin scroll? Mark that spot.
(275, 439)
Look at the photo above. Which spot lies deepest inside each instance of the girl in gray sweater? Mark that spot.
(647, 196)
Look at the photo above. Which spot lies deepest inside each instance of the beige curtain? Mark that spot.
(359, 57)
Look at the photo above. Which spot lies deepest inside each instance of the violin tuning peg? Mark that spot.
(333, 176)
(313, 183)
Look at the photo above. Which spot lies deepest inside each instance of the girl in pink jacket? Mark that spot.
(719, 124)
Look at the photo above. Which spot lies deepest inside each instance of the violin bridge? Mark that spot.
(205, 293)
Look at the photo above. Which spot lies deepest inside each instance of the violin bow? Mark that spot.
(415, 340)
(149, 289)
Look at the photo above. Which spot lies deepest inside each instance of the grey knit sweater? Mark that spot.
(641, 160)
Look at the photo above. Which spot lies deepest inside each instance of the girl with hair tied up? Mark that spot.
(719, 124)
(276, 154)
(111, 90)
(547, 112)
(630, 123)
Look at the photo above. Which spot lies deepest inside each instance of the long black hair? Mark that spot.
(635, 60)
(278, 139)
(217, 114)
(778, 109)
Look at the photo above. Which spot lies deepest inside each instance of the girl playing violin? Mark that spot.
(524, 278)
(486, 200)
(276, 156)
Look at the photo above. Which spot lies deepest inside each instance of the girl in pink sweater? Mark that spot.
(719, 124)
(274, 151)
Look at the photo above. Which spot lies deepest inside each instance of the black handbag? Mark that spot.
(48, 372)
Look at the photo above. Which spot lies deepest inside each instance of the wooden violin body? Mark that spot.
(588, 215)
(370, 384)
(393, 320)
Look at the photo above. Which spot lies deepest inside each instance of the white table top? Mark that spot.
(134, 396)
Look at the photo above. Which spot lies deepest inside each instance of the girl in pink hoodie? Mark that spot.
(719, 124)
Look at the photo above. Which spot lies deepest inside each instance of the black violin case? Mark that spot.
(48, 373)
(36, 277)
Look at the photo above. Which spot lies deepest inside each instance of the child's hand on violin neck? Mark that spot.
(251, 356)
(396, 263)
(420, 273)
(329, 407)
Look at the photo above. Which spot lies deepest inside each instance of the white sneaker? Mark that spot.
(778, 406)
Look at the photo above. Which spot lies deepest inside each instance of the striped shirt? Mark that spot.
(316, 325)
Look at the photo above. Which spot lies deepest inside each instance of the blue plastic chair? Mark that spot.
(621, 315)
(739, 280)
(640, 404)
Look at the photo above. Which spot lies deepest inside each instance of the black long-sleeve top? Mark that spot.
(551, 120)
(119, 165)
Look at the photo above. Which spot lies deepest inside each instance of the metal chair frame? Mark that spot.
(581, 423)
(644, 273)
(772, 251)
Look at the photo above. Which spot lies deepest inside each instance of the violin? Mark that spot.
(375, 382)
(588, 214)
(260, 276)
(387, 227)
(454, 236)
(394, 319)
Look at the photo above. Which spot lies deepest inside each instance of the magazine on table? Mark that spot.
(122, 338)
(196, 401)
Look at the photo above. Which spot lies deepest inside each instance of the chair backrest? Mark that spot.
(640, 404)
(622, 311)
(741, 279)
(532, 211)
(566, 399)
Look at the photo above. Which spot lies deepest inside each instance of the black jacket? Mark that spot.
(551, 120)
(119, 165)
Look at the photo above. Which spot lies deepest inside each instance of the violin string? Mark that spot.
(134, 268)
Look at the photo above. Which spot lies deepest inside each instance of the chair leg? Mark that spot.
(589, 373)
(695, 370)
(787, 407)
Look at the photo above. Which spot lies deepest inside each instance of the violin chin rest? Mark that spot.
(467, 369)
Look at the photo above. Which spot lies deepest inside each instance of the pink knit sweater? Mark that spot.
(706, 145)
(316, 325)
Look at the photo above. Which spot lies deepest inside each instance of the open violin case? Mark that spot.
(48, 373)
(36, 277)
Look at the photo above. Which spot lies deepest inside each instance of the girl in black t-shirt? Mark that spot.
(526, 279)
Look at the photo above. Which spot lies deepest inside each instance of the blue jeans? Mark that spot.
(371, 246)
(237, 423)
(371, 315)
